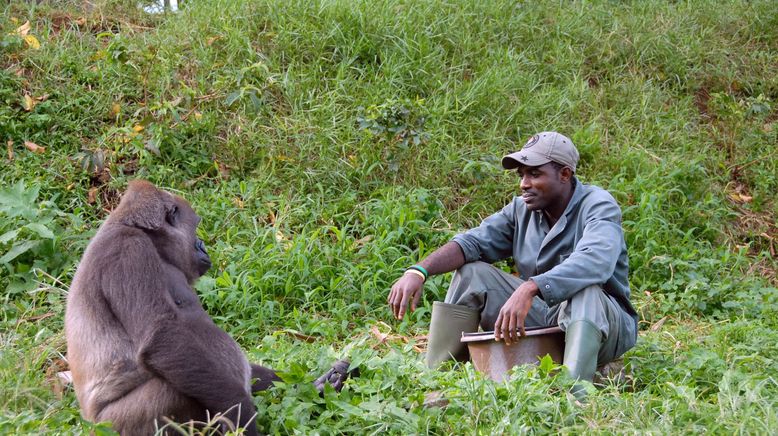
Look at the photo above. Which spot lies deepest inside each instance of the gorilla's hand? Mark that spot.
(335, 376)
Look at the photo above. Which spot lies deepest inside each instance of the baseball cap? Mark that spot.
(541, 149)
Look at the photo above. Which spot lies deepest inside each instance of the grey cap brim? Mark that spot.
(524, 157)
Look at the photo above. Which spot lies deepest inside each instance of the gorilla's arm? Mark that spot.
(193, 355)
(263, 378)
(202, 372)
(134, 287)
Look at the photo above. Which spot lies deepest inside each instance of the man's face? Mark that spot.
(542, 187)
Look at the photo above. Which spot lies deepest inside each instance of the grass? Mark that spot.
(329, 144)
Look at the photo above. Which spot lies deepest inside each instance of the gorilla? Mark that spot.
(141, 348)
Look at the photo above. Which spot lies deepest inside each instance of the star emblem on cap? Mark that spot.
(524, 158)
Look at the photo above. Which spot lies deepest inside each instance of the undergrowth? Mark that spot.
(329, 144)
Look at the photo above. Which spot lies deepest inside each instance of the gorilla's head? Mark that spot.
(171, 223)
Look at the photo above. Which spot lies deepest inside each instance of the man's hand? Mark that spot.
(514, 312)
(406, 290)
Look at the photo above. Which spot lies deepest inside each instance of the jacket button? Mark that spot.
(548, 286)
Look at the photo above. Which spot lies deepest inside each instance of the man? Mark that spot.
(568, 247)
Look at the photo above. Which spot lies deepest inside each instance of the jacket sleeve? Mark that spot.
(493, 239)
(594, 257)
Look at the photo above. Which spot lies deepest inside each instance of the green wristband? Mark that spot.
(420, 269)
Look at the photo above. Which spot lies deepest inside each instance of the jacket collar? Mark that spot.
(562, 222)
(576, 198)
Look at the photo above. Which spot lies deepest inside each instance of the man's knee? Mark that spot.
(589, 304)
(591, 299)
(593, 305)
(592, 291)
(467, 286)
(472, 269)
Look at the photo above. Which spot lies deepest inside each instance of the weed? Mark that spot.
(329, 144)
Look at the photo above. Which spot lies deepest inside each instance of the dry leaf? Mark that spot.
(740, 198)
(658, 325)
(65, 376)
(58, 376)
(384, 338)
(35, 148)
(301, 336)
(40, 317)
(60, 382)
(137, 128)
(32, 42)
(362, 241)
(224, 170)
(435, 400)
(238, 202)
(24, 29)
(211, 40)
(10, 147)
(378, 334)
(81, 21)
(116, 109)
(28, 103)
(92, 195)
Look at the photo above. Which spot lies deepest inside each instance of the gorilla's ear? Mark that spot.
(143, 206)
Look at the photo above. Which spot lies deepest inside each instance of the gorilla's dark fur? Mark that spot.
(140, 346)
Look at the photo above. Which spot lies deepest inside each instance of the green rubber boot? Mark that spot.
(582, 344)
(446, 327)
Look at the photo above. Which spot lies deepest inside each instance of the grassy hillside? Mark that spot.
(329, 144)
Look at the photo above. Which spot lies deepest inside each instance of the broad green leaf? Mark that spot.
(19, 201)
(255, 100)
(546, 364)
(8, 236)
(41, 230)
(18, 250)
(22, 283)
(348, 408)
(233, 97)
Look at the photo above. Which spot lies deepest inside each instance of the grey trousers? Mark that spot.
(483, 287)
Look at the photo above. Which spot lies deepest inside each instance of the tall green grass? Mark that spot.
(329, 144)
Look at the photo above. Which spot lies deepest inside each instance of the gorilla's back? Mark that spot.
(100, 353)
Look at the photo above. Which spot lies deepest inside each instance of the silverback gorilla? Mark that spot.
(141, 348)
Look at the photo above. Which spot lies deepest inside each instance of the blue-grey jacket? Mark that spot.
(585, 247)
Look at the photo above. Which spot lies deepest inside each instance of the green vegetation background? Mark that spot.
(329, 144)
